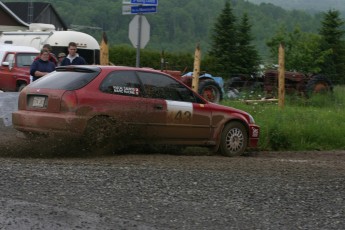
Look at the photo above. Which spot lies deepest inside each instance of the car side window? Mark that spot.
(163, 87)
(121, 83)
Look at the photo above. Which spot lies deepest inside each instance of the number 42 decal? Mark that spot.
(183, 116)
(179, 112)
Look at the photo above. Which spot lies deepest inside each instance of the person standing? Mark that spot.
(42, 66)
(73, 57)
(52, 56)
(61, 56)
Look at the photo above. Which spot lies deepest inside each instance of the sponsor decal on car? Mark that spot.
(126, 90)
(179, 112)
(255, 132)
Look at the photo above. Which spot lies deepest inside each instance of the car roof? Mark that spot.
(8, 47)
(12, 48)
(110, 67)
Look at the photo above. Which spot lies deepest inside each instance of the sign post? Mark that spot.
(139, 28)
(137, 60)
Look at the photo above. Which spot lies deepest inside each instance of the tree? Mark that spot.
(280, 37)
(332, 34)
(248, 55)
(306, 55)
(225, 48)
(302, 50)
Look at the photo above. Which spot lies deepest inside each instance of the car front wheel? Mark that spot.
(21, 87)
(234, 139)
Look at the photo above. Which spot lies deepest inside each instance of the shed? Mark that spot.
(20, 14)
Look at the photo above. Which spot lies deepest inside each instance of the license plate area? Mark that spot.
(37, 101)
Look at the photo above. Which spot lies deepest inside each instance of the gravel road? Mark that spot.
(267, 190)
(44, 186)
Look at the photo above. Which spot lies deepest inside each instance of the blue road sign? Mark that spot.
(145, 2)
(135, 9)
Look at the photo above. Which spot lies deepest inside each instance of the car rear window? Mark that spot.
(66, 79)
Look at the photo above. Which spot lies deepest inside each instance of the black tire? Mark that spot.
(210, 90)
(21, 87)
(319, 84)
(234, 139)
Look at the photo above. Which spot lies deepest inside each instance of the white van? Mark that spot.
(40, 34)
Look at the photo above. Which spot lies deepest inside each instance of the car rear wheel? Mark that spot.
(234, 139)
(99, 132)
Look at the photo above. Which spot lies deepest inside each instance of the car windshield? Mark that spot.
(66, 80)
(25, 59)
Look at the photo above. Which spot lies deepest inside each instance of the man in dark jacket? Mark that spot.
(73, 57)
(42, 66)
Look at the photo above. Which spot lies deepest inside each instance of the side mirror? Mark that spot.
(8, 64)
(5, 63)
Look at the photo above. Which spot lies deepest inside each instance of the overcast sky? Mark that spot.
(313, 5)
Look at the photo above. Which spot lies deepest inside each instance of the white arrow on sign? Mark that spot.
(134, 28)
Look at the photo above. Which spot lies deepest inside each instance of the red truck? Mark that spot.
(15, 66)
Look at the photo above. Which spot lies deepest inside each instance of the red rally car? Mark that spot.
(100, 104)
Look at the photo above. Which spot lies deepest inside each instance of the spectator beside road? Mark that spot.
(61, 56)
(52, 56)
(73, 57)
(42, 66)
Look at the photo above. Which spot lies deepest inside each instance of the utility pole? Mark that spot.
(30, 12)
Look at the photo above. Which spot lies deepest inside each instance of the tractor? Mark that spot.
(295, 83)
(210, 87)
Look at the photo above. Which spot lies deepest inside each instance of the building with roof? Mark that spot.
(18, 15)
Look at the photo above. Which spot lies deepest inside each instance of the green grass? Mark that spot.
(316, 123)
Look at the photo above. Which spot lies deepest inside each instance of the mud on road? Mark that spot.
(194, 190)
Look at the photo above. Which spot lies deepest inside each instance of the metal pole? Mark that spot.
(139, 40)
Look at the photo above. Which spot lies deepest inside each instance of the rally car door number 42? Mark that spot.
(179, 112)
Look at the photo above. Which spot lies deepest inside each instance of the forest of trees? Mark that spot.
(180, 24)
(231, 51)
